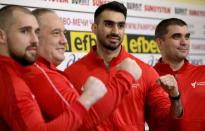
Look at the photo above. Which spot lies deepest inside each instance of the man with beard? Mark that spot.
(173, 38)
(53, 90)
(146, 100)
(19, 109)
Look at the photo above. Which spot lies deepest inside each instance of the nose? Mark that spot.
(115, 29)
(34, 38)
(184, 41)
(63, 40)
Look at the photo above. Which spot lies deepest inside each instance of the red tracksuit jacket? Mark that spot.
(191, 81)
(146, 100)
(19, 108)
(52, 105)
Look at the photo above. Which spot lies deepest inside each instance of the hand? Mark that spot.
(169, 84)
(130, 66)
(93, 90)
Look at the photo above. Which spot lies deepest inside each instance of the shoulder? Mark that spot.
(144, 66)
(149, 74)
(80, 64)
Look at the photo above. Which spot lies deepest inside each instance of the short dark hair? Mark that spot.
(39, 11)
(161, 28)
(6, 15)
(113, 6)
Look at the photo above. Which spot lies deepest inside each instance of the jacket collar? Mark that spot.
(44, 63)
(123, 53)
(11, 63)
(165, 68)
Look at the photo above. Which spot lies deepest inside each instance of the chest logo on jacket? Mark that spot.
(135, 85)
(197, 84)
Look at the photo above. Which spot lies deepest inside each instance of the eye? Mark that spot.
(64, 32)
(24, 30)
(108, 24)
(121, 25)
(37, 31)
(56, 33)
(187, 36)
(176, 36)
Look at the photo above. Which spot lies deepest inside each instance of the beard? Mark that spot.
(26, 59)
(110, 45)
(23, 60)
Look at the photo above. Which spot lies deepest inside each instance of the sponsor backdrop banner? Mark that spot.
(143, 16)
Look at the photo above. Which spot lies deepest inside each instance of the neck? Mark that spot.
(174, 65)
(4, 51)
(107, 55)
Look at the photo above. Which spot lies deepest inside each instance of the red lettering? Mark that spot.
(66, 21)
(158, 9)
(100, 2)
(196, 13)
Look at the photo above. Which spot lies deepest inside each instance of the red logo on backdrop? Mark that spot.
(157, 9)
(100, 2)
(196, 12)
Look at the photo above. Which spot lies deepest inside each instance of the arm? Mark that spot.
(169, 84)
(118, 87)
(21, 112)
(55, 93)
(159, 109)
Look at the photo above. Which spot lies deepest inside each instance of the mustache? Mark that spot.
(32, 46)
(114, 35)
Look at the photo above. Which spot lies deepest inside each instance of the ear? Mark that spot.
(2, 36)
(93, 28)
(159, 42)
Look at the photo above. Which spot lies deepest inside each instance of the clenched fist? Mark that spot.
(93, 90)
(130, 66)
(169, 84)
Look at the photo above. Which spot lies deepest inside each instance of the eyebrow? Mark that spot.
(110, 21)
(28, 28)
(25, 27)
(180, 34)
(58, 29)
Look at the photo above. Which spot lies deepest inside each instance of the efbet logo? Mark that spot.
(141, 44)
(83, 42)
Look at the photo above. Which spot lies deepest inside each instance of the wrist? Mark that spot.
(173, 98)
(85, 101)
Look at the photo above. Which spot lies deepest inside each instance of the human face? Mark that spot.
(52, 39)
(22, 38)
(175, 44)
(109, 30)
